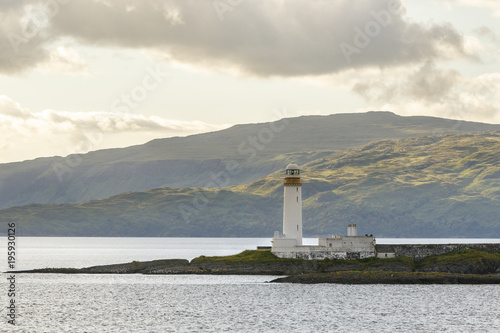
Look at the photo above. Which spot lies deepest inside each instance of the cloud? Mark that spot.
(21, 41)
(427, 83)
(27, 42)
(27, 134)
(259, 37)
(488, 4)
(488, 43)
(488, 33)
(63, 59)
(430, 90)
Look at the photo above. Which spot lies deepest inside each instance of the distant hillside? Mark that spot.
(252, 151)
(442, 186)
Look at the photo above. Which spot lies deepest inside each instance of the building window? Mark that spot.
(297, 199)
(297, 227)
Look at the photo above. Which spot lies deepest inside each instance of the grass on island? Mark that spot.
(261, 256)
(460, 257)
(250, 256)
(371, 261)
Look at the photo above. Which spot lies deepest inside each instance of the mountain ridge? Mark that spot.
(432, 186)
(192, 161)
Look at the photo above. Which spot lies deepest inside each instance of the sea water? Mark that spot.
(211, 303)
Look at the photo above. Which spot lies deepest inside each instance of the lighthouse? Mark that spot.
(292, 204)
(289, 244)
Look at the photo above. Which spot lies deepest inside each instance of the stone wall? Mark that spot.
(321, 252)
(348, 243)
(419, 251)
(340, 247)
(414, 251)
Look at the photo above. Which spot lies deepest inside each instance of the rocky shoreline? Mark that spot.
(378, 277)
(466, 266)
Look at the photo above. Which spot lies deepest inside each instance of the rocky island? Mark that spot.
(465, 266)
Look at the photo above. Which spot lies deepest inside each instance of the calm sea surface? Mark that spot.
(139, 303)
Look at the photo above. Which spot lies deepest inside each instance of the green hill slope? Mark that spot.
(258, 150)
(444, 186)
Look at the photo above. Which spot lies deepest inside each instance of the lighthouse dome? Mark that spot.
(292, 170)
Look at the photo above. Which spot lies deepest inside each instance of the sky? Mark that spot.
(81, 75)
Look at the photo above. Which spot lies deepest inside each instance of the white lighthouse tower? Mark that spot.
(292, 204)
(289, 244)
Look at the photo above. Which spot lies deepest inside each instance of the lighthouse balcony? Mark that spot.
(292, 181)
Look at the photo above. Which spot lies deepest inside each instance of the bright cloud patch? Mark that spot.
(65, 60)
(493, 5)
(27, 134)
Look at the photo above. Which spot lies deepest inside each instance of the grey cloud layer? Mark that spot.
(427, 83)
(434, 91)
(15, 53)
(258, 37)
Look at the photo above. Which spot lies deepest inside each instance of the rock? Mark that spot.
(378, 277)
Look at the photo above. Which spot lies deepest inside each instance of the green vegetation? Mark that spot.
(462, 257)
(380, 262)
(466, 267)
(261, 256)
(441, 186)
(247, 256)
(192, 161)
(367, 262)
